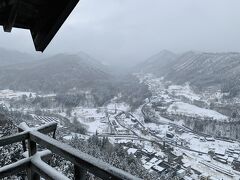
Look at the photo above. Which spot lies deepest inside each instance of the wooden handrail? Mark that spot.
(83, 163)
(14, 138)
(45, 129)
(83, 160)
(15, 168)
(44, 170)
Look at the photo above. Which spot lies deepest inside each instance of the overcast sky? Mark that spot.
(132, 30)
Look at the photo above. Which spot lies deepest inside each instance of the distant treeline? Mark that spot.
(127, 89)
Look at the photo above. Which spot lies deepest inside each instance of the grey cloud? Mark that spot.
(132, 30)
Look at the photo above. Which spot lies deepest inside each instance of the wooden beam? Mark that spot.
(79, 173)
(12, 17)
(44, 170)
(45, 129)
(80, 159)
(36, 167)
(42, 17)
(24, 141)
(32, 147)
(48, 128)
(44, 36)
(32, 150)
(3, 4)
(14, 168)
(14, 138)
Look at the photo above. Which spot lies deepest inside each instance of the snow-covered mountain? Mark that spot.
(158, 63)
(200, 69)
(206, 68)
(58, 73)
(10, 57)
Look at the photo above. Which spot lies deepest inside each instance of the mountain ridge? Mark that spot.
(55, 73)
(200, 69)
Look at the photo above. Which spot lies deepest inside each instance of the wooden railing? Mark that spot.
(35, 164)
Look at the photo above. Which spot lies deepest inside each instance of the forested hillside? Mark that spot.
(8, 57)
(56, 74)
(202, 70)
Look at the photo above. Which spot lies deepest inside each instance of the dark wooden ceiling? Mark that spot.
(42, 17)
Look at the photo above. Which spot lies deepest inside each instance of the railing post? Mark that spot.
(32, 149)
(23, 142)
(79, 173)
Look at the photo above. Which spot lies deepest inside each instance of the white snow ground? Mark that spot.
(189, 109)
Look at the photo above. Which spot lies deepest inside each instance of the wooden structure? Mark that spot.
(36, 167)
(42, 17)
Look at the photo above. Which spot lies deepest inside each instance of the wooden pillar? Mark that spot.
(79, 173)
(23, 142)
(54, 134)
(32, 149)
(12, 17)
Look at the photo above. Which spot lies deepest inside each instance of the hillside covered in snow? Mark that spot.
(200, 69)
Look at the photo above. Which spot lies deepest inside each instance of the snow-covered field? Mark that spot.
(160, 129)
(8, 94)
(94, 119)
(192, 110)
(185, 91)
(118, 106)
(195, 143)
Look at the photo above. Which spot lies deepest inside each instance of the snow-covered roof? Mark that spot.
(187, 178)
(148, 165)
(186, 165)
(153, 160)
(176, 152)
(206, 158)
(131, 150)
(220, 151)
(230, 159)
(67, 138)
(160, 154)
(213, 178)
(180, 171)
(158, 168)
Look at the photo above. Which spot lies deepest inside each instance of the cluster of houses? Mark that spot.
(167, 165)
(229, 156)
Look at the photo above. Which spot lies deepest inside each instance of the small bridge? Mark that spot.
(35, 162)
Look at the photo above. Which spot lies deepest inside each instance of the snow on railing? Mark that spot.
(36, 167)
